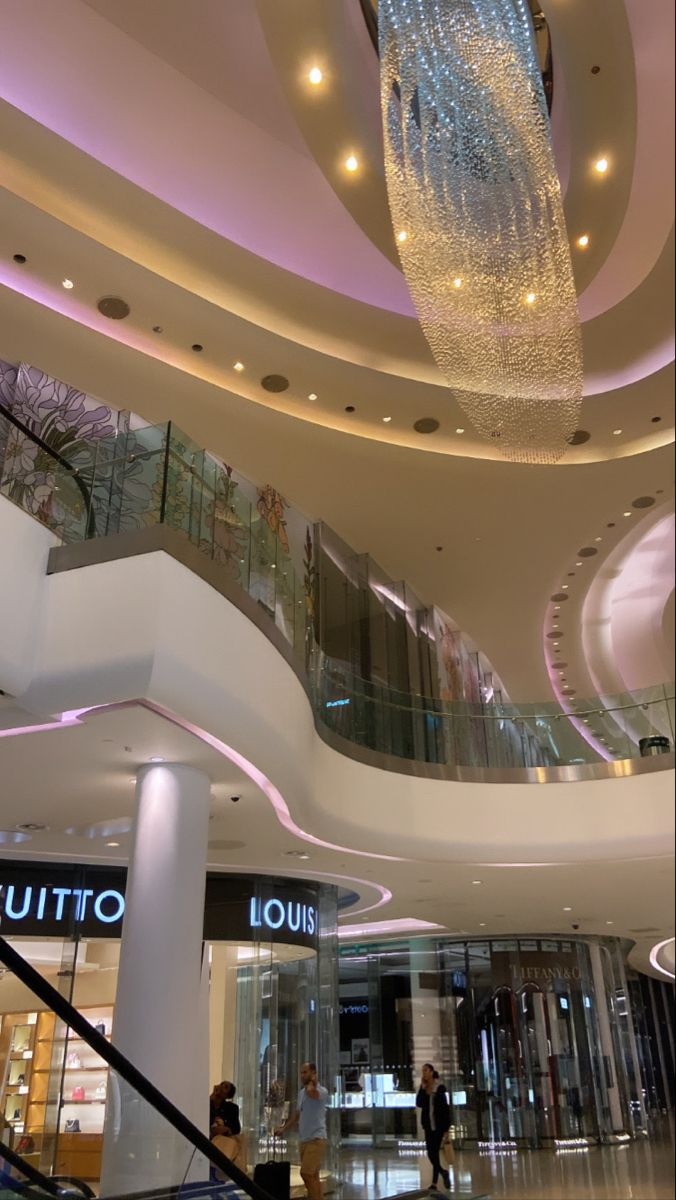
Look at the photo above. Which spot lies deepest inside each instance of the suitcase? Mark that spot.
(274, 1178)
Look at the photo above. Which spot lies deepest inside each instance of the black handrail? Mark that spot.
(34, 1176)
(115, 1059)
(35, 437)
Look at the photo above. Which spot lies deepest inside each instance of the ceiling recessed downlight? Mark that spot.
(457, 282)
(617, 432)
(315, 76)
(67, 284)
(238, 366)
(387, 420)
(312, 396)
(402, 235)
(530, 297)
(601, 166)
(460, 430)
(583, 241)
(352, 163)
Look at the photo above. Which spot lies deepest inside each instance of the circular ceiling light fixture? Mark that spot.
(113, 307)
(274, 383)
(426, 425)
(617, 432)
(601, 166)
(352, 163)
(583, 241)
(386, 420)
(67, 284)
(238, 366)
(313, 396)
(315, 76)
(402, 235)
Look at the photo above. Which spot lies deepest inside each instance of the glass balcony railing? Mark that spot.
(320, 599)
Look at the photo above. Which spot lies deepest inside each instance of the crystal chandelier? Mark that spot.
(477, 214)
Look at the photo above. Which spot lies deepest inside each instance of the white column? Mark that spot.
(158, 1008)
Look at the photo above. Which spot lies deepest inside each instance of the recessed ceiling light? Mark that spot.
(617, 432)
(112, 843)
(457, 282)
(565, 585)
(598, 539)
(482, 924)
(610, 922)
(158, 329)
(460, 430)
(568, 908)
(31, 827)
(627, 514)
(387, 419)
(315, 76)
(352, 163)
(477, 882)
(67, 284)
(156, 759)
(238, 366)
(583, 241)
(579, 564)
(312, 396)
(601, 166)
(531, 298)
(402, 235)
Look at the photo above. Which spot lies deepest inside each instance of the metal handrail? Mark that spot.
(115, 1059)
(35, 437)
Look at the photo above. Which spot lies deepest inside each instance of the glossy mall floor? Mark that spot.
(638, 1171)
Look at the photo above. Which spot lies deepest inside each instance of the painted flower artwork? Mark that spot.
(272, 506)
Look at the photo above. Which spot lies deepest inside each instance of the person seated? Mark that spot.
(225, 1129)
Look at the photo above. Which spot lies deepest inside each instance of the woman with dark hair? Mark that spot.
(435, 1117)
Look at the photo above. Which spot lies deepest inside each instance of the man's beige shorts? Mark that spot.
(311, 1156)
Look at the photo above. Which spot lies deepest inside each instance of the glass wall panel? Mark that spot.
(533, 1037)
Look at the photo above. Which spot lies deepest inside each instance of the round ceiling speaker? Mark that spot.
(559, 596)
(643, 502)
(587, 552)
(113, 307)
(426, 425)
(555, 635)
(579, 437)
(274, 383)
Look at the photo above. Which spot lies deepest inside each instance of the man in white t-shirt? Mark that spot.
(310, 1117)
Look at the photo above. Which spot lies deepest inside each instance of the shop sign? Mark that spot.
(53, 900)
(290, 916)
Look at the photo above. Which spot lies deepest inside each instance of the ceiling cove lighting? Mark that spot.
(462, 173)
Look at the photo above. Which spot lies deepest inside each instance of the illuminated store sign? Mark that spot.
(60, 903)
(285, 915)
(40, 899)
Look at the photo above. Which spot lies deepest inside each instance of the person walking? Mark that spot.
(310, 1117)
(435, 1116)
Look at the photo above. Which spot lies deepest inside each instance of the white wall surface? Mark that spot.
(146, 628)
(24, 548)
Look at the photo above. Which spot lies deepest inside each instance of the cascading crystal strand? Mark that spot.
(477, 214)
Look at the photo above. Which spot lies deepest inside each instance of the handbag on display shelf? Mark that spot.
(73, 1061)
(78, 1093)
(25, 1144)
(72, 1126)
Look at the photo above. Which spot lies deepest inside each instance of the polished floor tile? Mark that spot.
(642, 1170)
